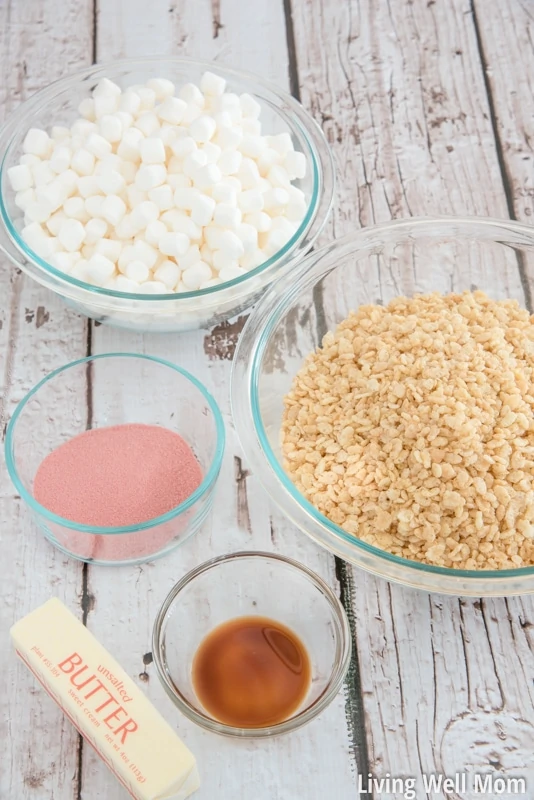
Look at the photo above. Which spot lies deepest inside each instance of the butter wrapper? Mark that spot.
(105, 705)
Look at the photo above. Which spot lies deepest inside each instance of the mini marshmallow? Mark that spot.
(190, 257)
(275, 198)
(147, 123)
(29, 160)
(252, 146)
(207, 254)
(182, 223)
(137, 271)
(222, 260)
(212, 151)
(110, 127)
(125, 230)
(152, 151)
(83, 162)
(180, 181)
(162, 197)
(59, 132)
(69, 181)
(212, 84)
(168, 133)
(93, 205)
(278, 176)
(226, 216)
(97, 145)
(154, 231)
(153, 287)
(105, 105)
(79, 270)
(111, 182)
(24, 198)
(185, 197)
(282, 143)
(149, 176)
(206, 177)
(130, 102)
(143, 213)
(252, 127)
(248, 236)
(128, 170)
(20, 177)
(183, 146)
(193, 277)
(75, 207)
(81, 129)
(42, 174)
(268, 159)
(124, 284)
(37, 212)
(229, 137)
(129, 145)
(192, 112)
(113, 209)
(202, 209)
(110, 248)
(224, 193)
(229, 161)
(65, 261)
(202, 129)
(106, 88)
(95, 229)
(53, 195)
(259, 220)
(172, 110)
(190, 93)
(87, 109)
(147, 97)
(174, 244)
(60, 159)
(168, 273)
(37, 142)
(193, 162)
(71, 235)
(162, 87)
(231, 244)
(88, 185)
(251, 201)
(249, 174)
(99, 268)
(134, 196)
(295, 164)
(249, 106)
(55, 221)
(33, 234)
(231, 273)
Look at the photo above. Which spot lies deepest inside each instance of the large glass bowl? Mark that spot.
(57, 105)
(373, 265)
(89, 394)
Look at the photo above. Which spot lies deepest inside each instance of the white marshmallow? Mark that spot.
(129, 145)
(79, 270)
(190, 257)
(206, 177)
(20, 177)
(42, 174)
(207, 254)
(224, 193)
(278, 176)
(172, 110)
(248, 236)
(193, 277)
(105, 104)
(229, 162)
(99, 268)
(193, 162)
(154, 231)
(125, 230)
(83, 162)
(227, 216)
(229, 137)
(252, 146)
(110, 127)
(33, 234)
(178, 181)
(295, 164)
(55, 221)
(231, 244)
(174, 244)
(222, 260)
(128, 170)
(93, 205)
(186, 197)
(251, 201)
(147, 97)
(168, 273)
(37, 212)
(75, 207)
(87, 109)
(53, 195)
(202, 129)
(275, 198)
(97, 145)
(202, 209)
(111, 182)
(134, 196)
(282, 143)
(60, 158)
(88, 185)
(147, 123)
(59, 132)
(162, 87)
(253, 259)
(183, 146)
(192, 112)
(130, 102)
(29, 160)
(110, 248)
(37, 142)
(106, 88)
(81, 129)
(212, 151)
(249, 174)
(190, 93)
(259, 220)
(252, 127)
(231, 273)
(95, 230)
(152, 151)
(143, 213)
(71, 235)
(23, 198)
(212, 84)
(124, 284)
(268, 159)
(113, 209)
(153, 287)
(65, 261)
(249, 106)
(168, 133)
(162, 197)
(149, 176)
(137, 271)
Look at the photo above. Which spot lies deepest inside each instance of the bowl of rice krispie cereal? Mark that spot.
(385, 398)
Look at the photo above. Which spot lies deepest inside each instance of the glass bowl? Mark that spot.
(373, 265)
(88, 394)
(251, 584)
(57, 105)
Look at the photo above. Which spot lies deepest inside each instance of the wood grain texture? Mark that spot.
(316, 760)
(39, 42)
(401, 93)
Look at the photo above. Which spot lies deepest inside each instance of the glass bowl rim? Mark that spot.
(319, 166)
(282, 304)
(336, 678)
(207, 482)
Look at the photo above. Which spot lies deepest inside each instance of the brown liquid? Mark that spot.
(251, 672)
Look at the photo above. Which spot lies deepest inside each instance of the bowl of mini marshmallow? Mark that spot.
(161, 194)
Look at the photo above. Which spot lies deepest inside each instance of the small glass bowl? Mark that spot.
(88, 394)
(251, 584)
(58, 105)
(373, 265)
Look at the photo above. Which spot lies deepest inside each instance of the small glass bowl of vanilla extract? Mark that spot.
(251, 644)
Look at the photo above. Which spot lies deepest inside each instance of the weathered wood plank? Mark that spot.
(400, 90)
(314, 762)
(40, 41)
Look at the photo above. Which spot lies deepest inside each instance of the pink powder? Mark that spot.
(120, 475)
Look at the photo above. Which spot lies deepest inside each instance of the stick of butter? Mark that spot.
(105, 705)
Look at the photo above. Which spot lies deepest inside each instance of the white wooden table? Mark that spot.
(428, 107)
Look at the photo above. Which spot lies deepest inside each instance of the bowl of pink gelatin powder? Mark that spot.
(117, 456)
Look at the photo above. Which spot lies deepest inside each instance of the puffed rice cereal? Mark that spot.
(412, 428)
